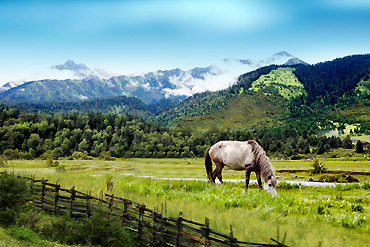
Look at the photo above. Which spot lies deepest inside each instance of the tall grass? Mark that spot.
(309, 215)
(337, 216)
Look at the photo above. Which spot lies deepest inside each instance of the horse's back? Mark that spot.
(233, 154)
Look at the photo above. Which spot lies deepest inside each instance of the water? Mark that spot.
(298, 182)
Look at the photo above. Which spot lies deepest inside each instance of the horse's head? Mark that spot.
(270, 184)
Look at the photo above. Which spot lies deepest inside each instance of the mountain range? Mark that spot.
(326, 95)
(149, 88)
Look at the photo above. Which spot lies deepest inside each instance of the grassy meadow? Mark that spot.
(335, 216)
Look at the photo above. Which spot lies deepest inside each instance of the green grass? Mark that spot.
(238, 113)
(336, 216)
(363, 87)
(283, 80)
(19, 236)
(180, 168)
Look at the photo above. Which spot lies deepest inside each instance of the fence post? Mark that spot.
(88, 210)
(73, 196)
(205, 232)
(101, 197)
(110, 203)
(125, 214)
(31, 184)
(179, 229)
(154, 229)
(140, 224)
(56, 198)
(43, 185)
(232, 239)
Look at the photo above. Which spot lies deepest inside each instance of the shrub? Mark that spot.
(3, 161)
(52, 163)
(297, 157)
(16, 154)
(13, 196)
(318, 167)
(80, 156)
(23, 234)
(106, 156)
(98, 230)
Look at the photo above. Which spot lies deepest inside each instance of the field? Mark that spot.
(335, 216)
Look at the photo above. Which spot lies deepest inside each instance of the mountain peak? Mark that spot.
(294, 61)
(71, 65)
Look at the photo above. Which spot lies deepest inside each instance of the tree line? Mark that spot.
(108, 135)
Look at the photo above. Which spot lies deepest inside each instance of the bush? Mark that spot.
(13, 196)
(298, 157)
(17, 155)
(80, 156)
(106, 156)
(318, 167)
(98, 230)
(52, 163)
(23, 234)
(3, 161)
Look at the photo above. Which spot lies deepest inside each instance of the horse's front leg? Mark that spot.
(258, 175)
(248, 171)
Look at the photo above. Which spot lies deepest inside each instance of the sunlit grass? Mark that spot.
(335, 216)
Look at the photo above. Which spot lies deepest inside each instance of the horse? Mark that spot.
(241, 155)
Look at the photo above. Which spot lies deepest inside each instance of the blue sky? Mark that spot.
(128, 37)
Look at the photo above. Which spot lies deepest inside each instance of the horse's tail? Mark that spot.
(208, 163)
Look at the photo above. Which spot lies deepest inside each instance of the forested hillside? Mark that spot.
(302, 94)
(118, 105)
(83, 136)
(325, 96)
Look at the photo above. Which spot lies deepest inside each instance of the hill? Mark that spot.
(306, 95)
(150, 88)
(117, 105)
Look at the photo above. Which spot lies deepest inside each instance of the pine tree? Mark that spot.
(359, 147)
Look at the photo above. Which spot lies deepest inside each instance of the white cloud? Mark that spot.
(221, 76)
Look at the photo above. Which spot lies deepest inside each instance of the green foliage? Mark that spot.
(52, 163)
(359, 147)
(80, 156)
(98, 230)
(3, 161)
(24, 234)
(16, 154)
(318, 167)
(55, 164)
(84, 136)
(282, 81)
(353, 221)
(106, 156)
(13, 197)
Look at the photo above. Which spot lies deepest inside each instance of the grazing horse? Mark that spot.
(237, 155)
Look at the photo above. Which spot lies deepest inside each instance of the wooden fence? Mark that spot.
(149, 225)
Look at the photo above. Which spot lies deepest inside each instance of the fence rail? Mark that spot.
(149, 225)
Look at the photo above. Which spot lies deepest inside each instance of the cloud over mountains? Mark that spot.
(81, 70)
(154, 86)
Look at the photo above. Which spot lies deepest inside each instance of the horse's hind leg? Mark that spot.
(219, 175)
(217, 171)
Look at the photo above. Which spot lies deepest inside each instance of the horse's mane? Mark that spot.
(261, 160)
